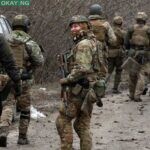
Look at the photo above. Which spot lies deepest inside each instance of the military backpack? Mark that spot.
(99, 29)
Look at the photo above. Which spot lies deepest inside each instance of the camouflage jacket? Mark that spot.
(33, 50)
(83, 60)
(7, 61)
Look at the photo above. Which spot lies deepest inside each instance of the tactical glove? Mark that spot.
(26, 75)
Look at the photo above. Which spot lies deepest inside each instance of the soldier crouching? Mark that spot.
(80, 85)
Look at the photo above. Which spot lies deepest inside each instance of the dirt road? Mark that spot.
(119, 125)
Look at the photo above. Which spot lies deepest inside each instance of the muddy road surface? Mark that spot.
(120, 125)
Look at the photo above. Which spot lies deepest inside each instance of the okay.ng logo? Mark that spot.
(14, 2)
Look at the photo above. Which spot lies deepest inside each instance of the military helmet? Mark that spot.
(78, 19)
(95, 9)
(118, 20)
(141, 16)
(21, 21)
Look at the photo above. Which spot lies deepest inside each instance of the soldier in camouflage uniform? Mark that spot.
(101, 28)
(8, 63)
(83, 85)
(116, 53)
(137, 42)
(28, 56)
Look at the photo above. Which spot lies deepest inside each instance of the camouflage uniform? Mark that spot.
(101, 28)
(32, 58)
(8, 63)
(116, 53)
(137, 41)
(80, 96)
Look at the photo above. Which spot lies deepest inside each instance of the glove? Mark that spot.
(131, 53)
(18, 88)
(26, 75)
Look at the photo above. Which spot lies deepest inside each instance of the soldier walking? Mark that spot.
(137, 42)
(8, 64)
(116, 53)
(28, 57)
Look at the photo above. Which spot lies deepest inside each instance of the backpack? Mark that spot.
(120, 37)
(99, 29)
(140, 36)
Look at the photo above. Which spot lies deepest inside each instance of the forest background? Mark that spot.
(50, 18)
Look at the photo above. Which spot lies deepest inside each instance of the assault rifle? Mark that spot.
(62, 60)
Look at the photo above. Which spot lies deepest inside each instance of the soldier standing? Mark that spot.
(8, 63)
(116, 53)
(137, 42)
(28, 57)
(83, 83)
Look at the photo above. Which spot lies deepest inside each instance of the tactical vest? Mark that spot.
(19, 52)
(140, 36)
(99, 29)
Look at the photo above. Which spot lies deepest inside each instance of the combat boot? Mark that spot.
(137, 98)
(116, 91)
(99, 102)
(23, 140)
(3, 136)
(145, 91)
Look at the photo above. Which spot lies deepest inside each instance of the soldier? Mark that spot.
(116, 53)
(8, 63)
(28, 57)
(101, 28)
(84, 83)
(137, 42)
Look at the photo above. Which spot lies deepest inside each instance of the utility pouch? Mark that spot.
(99, 88)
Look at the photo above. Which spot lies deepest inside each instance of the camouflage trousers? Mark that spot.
(81, 123)
(23, 104)
(7, 111)
(115, 63)
(138, 81)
